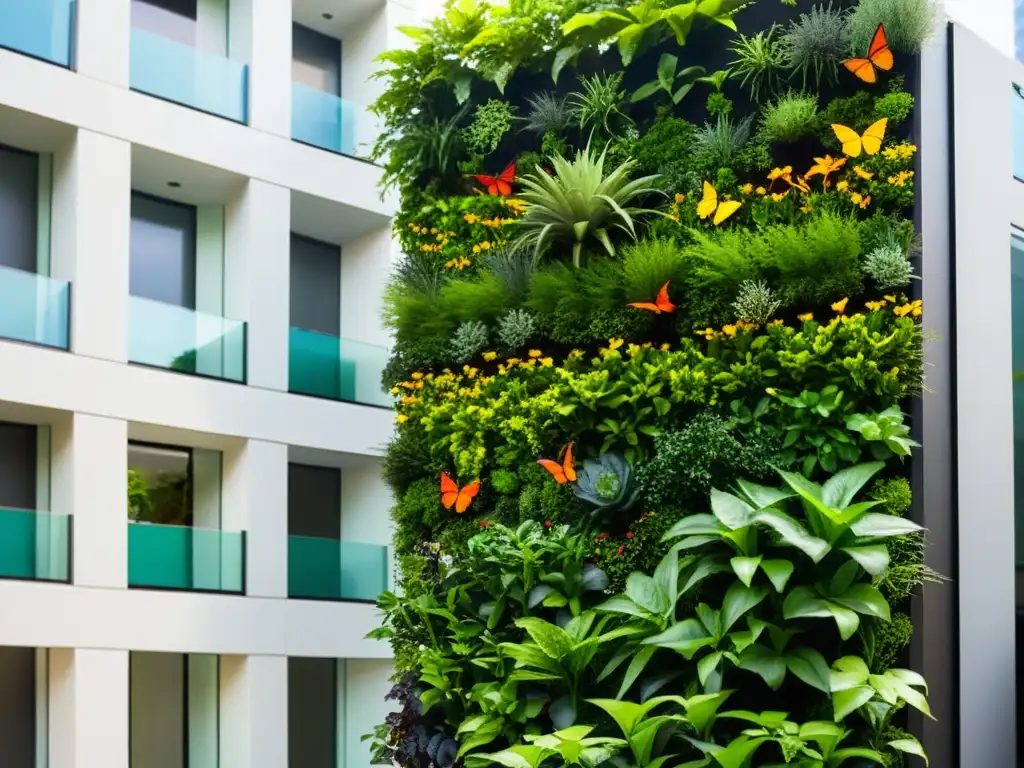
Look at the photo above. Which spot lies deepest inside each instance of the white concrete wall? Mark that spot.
(366, 684)
(992, 20)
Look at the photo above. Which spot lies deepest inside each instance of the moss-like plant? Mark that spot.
(490, 124)
(469, 340)
(648, 265)
(908, 23)
(815, 45)
(789, 118)
(580, 207)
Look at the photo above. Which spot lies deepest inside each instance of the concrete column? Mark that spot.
(256, 273)
(253, 712)
(103, 40)
(91, 228)
(255, 499)
(88, 708)
(89, 481)
(261, 35)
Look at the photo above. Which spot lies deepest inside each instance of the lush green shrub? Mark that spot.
(469, 340)
(895, 106)
(407, 459)
(417, 514)
(789, 118)
(908, 23)
(515, 329)
(815, 45)
(490, 124)
(760, 62)
(648, 265)
(637, 547)
(667, 149)
(890, 642)
(894, 495)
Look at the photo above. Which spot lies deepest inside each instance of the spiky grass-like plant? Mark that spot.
(599, 102)
(908, 23)
(513, 267)
(469, 340)
(789, 118)
(716, 144)
(756, 302)
(760, 62)
(548, 112)
(579, 205)
(816, 44)
(515, 329)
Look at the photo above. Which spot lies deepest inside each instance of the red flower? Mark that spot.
(621, 550)
(548, 523)
(629, 535)
(601, 537)
(485, 524)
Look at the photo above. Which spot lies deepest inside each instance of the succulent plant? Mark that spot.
(606, 483)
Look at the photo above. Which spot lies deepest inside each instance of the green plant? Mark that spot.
(755, 302)
(572, 746)
(894, 495)
(139, 504)
(580, 205)
(760, 62)
(813, 427)
(516, 328)
(598, 104)
(470, 339)
(886, 643)
(513, 268)
(895, 106)
(649, 264)
(887, 265)
(668, 80)
(908, 23)
(718, 104)
(606, 484)
(666, 149)
(885, 431)
(718, 144)
(548, 113)
(789, 118)
(815, 45)
(490, 124)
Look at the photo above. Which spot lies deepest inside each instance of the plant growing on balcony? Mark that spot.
(580, 207)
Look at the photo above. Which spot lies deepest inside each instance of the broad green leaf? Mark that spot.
(484, 734)
(765, 662)
(651, 684)
(625, 713)
(761, 496)
(644, 591)
(745, 568)
(874, 558)
(809, 491)
(803, 603)
(636, 666)
(616, 661)
(810, 666)
(849, 672)
(794, 534)
(687, 637)
(579, 626)
(707, 665)
(645, 91)
(851, 699)
(538, 594)
(731, 511)
(909, 676)
(738, 600)
(666, 575)
(778, 572)
(847, 621)
(875, 525)
(707, 566)
(844, 578)
(529, 655)
(472, 723)
(701, 710)
(680, 94)
(738, 752)
(839, 490)
(863, 598)
(840, 756)
(562, 57)
(667, 66)
(550, 638)
(694, 525)
(910, 746)
(622, 604)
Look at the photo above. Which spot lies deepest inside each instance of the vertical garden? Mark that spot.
(656, 337)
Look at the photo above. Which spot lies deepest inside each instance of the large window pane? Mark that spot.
(316, 60)
(163, 251)
(315, 286)
(312, 719)
(19, 199)
(173, 19)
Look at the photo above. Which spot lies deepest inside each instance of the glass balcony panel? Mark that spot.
(328, 569)
(181, 339)
(327, 121)
(183, 74)
(339, 369)
(40, 28)
(183, 557)
(34, 545)
(34, 308)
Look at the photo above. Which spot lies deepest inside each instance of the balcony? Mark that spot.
(327, 121)
(39, 28)
(326, 366)
(327, 569)
(180, 73)
(180, 339)
(34, 545)
(186, 558)
(34, 308)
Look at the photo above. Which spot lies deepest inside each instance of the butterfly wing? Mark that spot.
(646, 306)
(490, 182)
(879, 52)
(863, 69)
(509, 174)
(726, 209)
(502, 188)
(849, 138)
(874, 136)
(555, 469)
(568, 466)
(707, 206)
(449, 491)
(466, 496)
(663, 302)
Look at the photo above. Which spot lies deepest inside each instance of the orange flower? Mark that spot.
(825, 166)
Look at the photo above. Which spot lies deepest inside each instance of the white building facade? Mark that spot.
(193, 522)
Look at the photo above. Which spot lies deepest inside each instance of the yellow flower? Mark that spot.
(401, 418)
(433, 230)
(774, 174)
(777, 321)
(729, 330)
(665, 347)
(777, 196)
(842, 186)
(805, 209)
(840, 306)
(535, 353)
(865, 202)
(747, 189)
(546, 362)
(856, 198)
(395, 390)
(806, 317)
(680, 198)
(416, 376)
(488, 356)
(576, 353)
(471, 218)
(614, 344)
(874, 306)
(761, 191)
(476, 249)
(890, 298)
(864, 174)
(825, 166)
(772, 391)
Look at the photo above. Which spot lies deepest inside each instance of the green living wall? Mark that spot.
(656, 332)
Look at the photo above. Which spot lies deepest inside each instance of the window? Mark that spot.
(19, 203)
(314, 501)
(312, 713)
(163, 251)
(316, 60)
(315, 286)
(173, 19)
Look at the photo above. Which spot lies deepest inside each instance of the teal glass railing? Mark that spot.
(34, 308)
(40, 28)
(328, 569)
(183, 557)
(326, 366)
(181, 339)
(34, 545)
(183, 74)
(327, 121)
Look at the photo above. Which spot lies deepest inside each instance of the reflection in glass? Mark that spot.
(1017, 295)
(339, 369)
(40, 28)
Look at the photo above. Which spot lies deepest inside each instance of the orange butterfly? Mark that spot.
(564, 473)
(451, 496)
(879, 56)
(661, 304)
(500, 185)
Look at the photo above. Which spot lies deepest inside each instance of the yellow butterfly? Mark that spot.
(710, 204)
(853, 142)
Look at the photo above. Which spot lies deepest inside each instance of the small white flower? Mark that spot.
(447, 560)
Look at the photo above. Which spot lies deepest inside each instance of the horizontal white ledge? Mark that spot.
(54, 380)
(42, 615)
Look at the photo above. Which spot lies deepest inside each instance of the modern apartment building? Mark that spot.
(193, 523)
